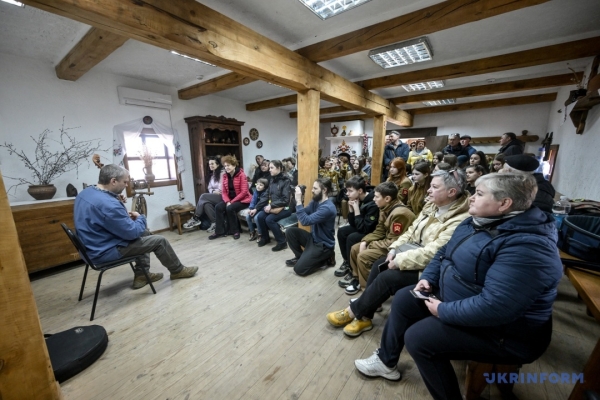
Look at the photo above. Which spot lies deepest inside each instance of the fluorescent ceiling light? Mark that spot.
(330, 8)
(413, 87)
(439, 102)
(14, 3)
(403, 53)
(191, 58)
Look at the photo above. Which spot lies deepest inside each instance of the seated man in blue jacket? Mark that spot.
(320, 243)
(109, 232)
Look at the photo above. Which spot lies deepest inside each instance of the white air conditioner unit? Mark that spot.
(143, 98)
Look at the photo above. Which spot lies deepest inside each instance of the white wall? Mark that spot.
(576, 171)
(491, 122)
(33, 99)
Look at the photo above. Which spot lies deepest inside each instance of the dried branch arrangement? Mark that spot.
(47, 164)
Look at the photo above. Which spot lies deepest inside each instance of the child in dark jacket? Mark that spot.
(260, 199)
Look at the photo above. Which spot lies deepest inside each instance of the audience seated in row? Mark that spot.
(410, 253)
(475, 305)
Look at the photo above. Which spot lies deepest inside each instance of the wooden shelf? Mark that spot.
(221, 144)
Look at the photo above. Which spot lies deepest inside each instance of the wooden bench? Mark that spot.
(587, 285)
(179, 216)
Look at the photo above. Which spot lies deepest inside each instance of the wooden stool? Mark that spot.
(179, 216)
(475, 382)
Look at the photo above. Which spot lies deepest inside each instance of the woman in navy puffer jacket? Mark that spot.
(494, 284)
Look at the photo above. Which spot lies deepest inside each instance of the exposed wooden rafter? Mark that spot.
(326, 110)
(95, 46)
(445, 15)
(191, 28)
(343, 118)
(520, 59)
(543, 55)
(272, 103)
(495, 88)
(513, 101)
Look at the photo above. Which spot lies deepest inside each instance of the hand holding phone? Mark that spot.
(383, 266)
(420, 294)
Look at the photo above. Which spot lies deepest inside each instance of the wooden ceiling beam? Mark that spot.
(326, 110)
(445, 15)
(513, 101)
(495, 88)
(544, 55)
(95, 46)
(218, 84)
(358, 117)
(193, 29)
(272, 103)
(521, 59)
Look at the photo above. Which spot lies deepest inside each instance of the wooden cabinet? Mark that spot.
(211, 136)
(43, 241)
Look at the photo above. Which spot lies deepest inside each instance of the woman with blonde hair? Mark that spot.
(397, 174)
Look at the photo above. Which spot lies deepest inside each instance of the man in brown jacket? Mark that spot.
(394, 219)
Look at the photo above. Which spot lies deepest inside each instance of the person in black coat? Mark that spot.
(454, 147)
(510, 144)
(544, 199)
(363, 216)
(396, 148)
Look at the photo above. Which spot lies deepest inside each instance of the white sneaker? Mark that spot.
(374, 367)
(212, 228)
(192, 223)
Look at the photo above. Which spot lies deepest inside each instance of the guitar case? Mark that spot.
(75, 349)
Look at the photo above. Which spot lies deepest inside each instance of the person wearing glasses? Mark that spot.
(410, 253)
(488, 293)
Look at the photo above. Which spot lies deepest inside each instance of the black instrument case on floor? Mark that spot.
(75, 349)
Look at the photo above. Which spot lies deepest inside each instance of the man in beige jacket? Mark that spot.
(447, 207)
(394, 219)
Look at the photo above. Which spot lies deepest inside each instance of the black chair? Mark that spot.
(99, 267)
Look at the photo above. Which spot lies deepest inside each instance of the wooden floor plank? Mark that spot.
(247, 327)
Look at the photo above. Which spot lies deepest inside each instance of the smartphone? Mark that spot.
(419, 294)
(383, 266)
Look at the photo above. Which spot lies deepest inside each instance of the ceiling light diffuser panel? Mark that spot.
(14, 3)
(439, 102)
(330, 8)
(415, 87)
(191, 58)
(403, 53)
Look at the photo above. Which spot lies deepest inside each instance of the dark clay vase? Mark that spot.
(42, 192)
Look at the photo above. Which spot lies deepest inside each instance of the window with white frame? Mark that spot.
(163, 161)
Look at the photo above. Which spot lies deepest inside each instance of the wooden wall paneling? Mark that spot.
(379, 123)
(25, 369)
(308, 140)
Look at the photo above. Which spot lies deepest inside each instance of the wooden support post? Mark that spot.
(377, 166)
(25, 369)
(308, 140)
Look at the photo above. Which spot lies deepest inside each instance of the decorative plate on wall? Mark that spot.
(246, 141)
(259, 144)
(253, 133)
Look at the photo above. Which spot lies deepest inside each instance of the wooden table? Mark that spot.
(588, 287)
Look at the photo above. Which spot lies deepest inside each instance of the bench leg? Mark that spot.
(475, 382)
(170, 216)
(178, 223)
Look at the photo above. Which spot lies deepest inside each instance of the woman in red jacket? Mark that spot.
(236, 197)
